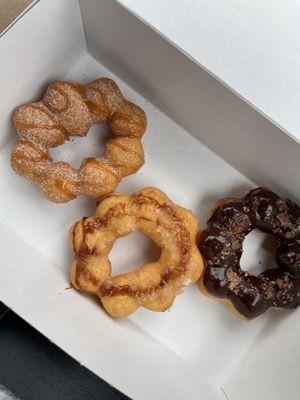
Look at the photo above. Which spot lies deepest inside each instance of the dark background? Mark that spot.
(33, 368)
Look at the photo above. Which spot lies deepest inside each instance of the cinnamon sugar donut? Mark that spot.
(154, 285)
(222, 244)
(69, 109)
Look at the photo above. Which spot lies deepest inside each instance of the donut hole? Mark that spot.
(131, 252)
(259, 252)
(74, 150)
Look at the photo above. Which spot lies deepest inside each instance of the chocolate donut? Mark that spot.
(221, 244)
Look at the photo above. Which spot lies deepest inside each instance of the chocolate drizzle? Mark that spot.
(222, 246)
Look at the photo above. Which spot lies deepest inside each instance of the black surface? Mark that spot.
(33, 368)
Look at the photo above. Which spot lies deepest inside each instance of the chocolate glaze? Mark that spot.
(222, 245)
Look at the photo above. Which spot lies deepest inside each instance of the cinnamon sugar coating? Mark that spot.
(69, 109)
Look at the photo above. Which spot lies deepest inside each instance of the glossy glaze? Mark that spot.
(222, 244)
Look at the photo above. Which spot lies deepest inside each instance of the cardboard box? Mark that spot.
(203, 143)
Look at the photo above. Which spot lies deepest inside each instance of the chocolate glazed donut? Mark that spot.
(221, 244)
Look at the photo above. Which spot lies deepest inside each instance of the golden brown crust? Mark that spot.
(154, 285)
(68, 109)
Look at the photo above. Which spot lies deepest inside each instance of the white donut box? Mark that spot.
(220, 84)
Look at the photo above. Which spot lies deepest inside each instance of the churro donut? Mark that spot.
(69, 109)
(154, 285)
(222, 244)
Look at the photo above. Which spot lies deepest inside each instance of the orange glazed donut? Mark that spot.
(154, 285)
(69, 109)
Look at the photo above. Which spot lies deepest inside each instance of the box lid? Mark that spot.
(251, 46)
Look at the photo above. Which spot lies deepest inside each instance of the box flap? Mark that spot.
(271, 367)
(252, 46)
